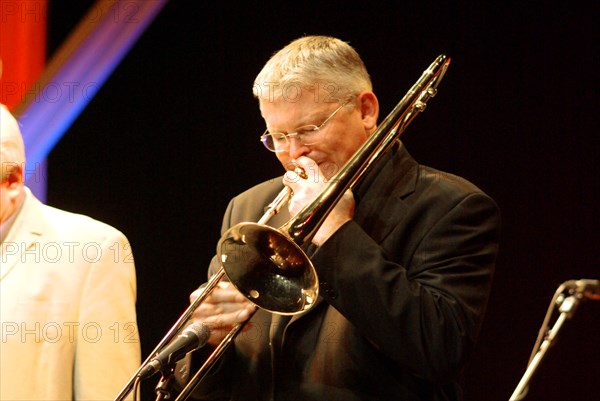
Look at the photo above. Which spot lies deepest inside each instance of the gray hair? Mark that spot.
(319, 64)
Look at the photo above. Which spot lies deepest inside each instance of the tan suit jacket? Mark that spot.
(68, 316)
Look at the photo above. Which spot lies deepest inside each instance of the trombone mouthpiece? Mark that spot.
(301, 173)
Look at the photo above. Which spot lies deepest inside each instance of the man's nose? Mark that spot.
(297, 148)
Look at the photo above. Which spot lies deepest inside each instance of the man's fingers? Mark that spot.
(223, 292)
(227, 318)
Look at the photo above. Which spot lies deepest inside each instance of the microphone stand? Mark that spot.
(162, 387)
(567, 307)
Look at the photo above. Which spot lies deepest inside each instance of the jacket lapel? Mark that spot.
(382, 193)
(23, 236)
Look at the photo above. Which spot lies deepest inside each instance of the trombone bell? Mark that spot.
(267, 267)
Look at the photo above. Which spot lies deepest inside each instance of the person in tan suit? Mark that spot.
(68, 291)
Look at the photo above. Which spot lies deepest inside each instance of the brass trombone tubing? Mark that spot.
(273, 208)
(281, 199)
(304, 225)
(211, 360)
(183, 319)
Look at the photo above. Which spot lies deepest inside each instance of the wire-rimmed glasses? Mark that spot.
(306, 135)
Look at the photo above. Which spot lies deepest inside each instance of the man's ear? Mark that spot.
(15, 181)
(369, 108)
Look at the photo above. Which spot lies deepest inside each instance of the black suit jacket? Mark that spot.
(403, 289)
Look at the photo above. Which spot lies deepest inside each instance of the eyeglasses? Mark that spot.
(306, 135)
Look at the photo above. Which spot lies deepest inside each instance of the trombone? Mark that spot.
(267, 264)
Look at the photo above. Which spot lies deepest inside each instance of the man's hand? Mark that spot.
(307, 189)
(222, 310)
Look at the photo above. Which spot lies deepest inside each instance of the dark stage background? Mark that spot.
(173, 136)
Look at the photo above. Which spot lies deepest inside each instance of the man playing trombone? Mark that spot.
(404, 260)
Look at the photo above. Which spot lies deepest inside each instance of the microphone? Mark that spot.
(192, 338)
(585, 288)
